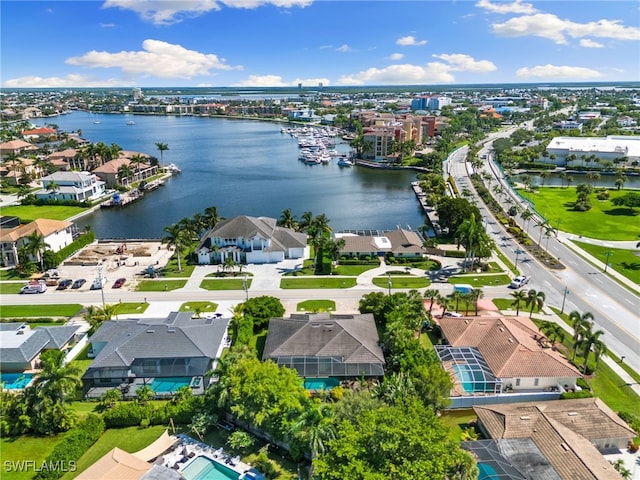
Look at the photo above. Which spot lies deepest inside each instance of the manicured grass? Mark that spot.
(402, 282)
(613, 391)
(82, 409)
(29, 213)
(316, 306)
(171, 270)
(505, 304)
(506, 261)
(129, 439)
(9, 288)
(479, 280)
(131, 307)
(159, 285)
(25, 447)
(307, 270)
(40, 311)
(225, 284)
(203, 306)
(12, 274)
(353, 270)
(604, 221)
(318, 282)
(625, 262)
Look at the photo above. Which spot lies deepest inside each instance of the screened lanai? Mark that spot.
(471, 372)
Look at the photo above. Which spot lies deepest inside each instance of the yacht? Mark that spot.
(343, 162)
(131, 122)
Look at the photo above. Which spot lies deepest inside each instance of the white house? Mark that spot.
(57, 235)
(251, 240)
(78, 186)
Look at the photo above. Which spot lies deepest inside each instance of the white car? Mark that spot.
(519, 281)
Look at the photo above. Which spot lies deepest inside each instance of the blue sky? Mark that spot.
(173, 43)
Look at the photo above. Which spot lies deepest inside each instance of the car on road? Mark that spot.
(78, 283)
(64, 284)
(119, 282)
(34, 286)
(519, 281)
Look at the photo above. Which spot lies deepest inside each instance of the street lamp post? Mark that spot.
(101, 279)
(564, 297)
(389, 277)
(606, 264)
(245, 285)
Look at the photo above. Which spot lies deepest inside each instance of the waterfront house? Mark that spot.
(321, 345)
(177, 350)
(109, 171)
(561, 439)
(19, 147)
(21, 346)
(78, 186)
(57, 234)
(251, 240)
(400, 243)
(43, 134)
(493, 357)
(68, 159)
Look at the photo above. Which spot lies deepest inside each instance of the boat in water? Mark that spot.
(344, 162)
(131, 122)
(173, 168)
(97, 122)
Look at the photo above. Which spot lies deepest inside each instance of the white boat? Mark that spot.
(173, 168)
(343, 162)
(97, 122)
(131, 122)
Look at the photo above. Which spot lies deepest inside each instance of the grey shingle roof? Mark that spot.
(353, 338)
(23, 347)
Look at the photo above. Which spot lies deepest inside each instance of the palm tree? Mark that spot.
(317, 231)
(162, 147)
(544, 175)
(176, 238)
(526, 216)
(457, 295)
(476, 294)
(580, 324)
(431, 294)
(314, 427)
(136, 161)
(56, 379)
(36, 246)
(305, 221)
(519, 298)
(52, 187)
(212, 216)
(535, 299)
(591, 340)
(23, 191)
(553, 331)
(469, 234)
(287, 219)
(442, 301)
(125, 172)
(333, 247)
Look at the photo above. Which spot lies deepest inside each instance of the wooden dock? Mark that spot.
(124, 199)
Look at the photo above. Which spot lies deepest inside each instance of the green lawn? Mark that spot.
(25, 447)
(159, 285)
(625, 262)
(131, 307)
(480, 280)
(604, 221)
(505, 304)
(129, 439)
(316, 306)
(402, 282)
(353, 270)
(29, 213)
(40, 311)
(203, 306)
(12, 274)
(171, 269)
(9, 288)
(457, 420)
(318, 282)
(506, 261)
(225, 284)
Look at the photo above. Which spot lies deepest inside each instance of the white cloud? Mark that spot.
(558, 72)
(409, 40)
(107, 25)
(277, 81)
(585, 42)
(69, 81)
(157, 59)
(515, 7)
(343, 48)
(396, 56)
(400, 75)
(461, 62)
(167, 12)
(550, 26)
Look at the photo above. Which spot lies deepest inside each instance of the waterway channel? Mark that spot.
(242, 167)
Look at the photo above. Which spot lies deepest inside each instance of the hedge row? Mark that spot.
(32, 200)
(82, 241)
(72, 447)
(132, 414)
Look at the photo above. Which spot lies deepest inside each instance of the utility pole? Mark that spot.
(564, 297)
(606, 264)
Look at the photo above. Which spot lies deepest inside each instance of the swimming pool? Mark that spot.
(320, 383)
(203, 468)
(487, 472)
(169, 384)
(471, 380)
(15, 381)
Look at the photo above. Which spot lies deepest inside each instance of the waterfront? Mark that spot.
(242, 167)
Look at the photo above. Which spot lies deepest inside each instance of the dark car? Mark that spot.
(64, 284)
(119, 282)
(78, 283)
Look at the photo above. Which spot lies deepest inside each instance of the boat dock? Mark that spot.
(429, 211)
(120, 200)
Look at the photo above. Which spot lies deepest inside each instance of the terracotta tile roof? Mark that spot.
(43, 226)
(509, 345)
(112, 166)
(17, 145)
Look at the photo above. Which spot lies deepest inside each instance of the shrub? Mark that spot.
(603, 195)
(128, 414)
(582, 383)
(631, 419)
(578, 394)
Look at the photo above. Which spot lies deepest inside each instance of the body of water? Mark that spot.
(242, 167)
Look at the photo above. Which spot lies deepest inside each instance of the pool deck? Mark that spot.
(188, 449)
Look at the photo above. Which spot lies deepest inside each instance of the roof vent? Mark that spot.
(501, 329)
(525, 417)
(151, 331)
(510, 340)
(315, 324)
(171, 330)
(565, 446)
(329, 325)
(572, 414)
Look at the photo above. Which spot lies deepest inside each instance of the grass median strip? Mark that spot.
(8, 288)
(224, 284)
(160, 285)
(478, 280)
(316, 306)
(402, 282)
(317, 282)
(55, 310)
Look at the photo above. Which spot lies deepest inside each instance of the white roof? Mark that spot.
(626, 145)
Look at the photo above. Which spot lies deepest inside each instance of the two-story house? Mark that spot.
(78, 186)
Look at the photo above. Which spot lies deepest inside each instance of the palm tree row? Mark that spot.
(471, 298)
(585, 338)
(472, 235)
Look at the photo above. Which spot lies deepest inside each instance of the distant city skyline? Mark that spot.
(278, 43)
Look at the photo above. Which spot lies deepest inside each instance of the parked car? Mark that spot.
(98, 283)
(119, 282)
(519, 281)
(78, 283)
(34, 286)
(64, 284)
(51, 282)
(453, 314)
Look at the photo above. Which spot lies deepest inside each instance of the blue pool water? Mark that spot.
(203, 468)
(320, 383)
(486, 472)
(169, 384)
(467, 380)
(16, 381)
